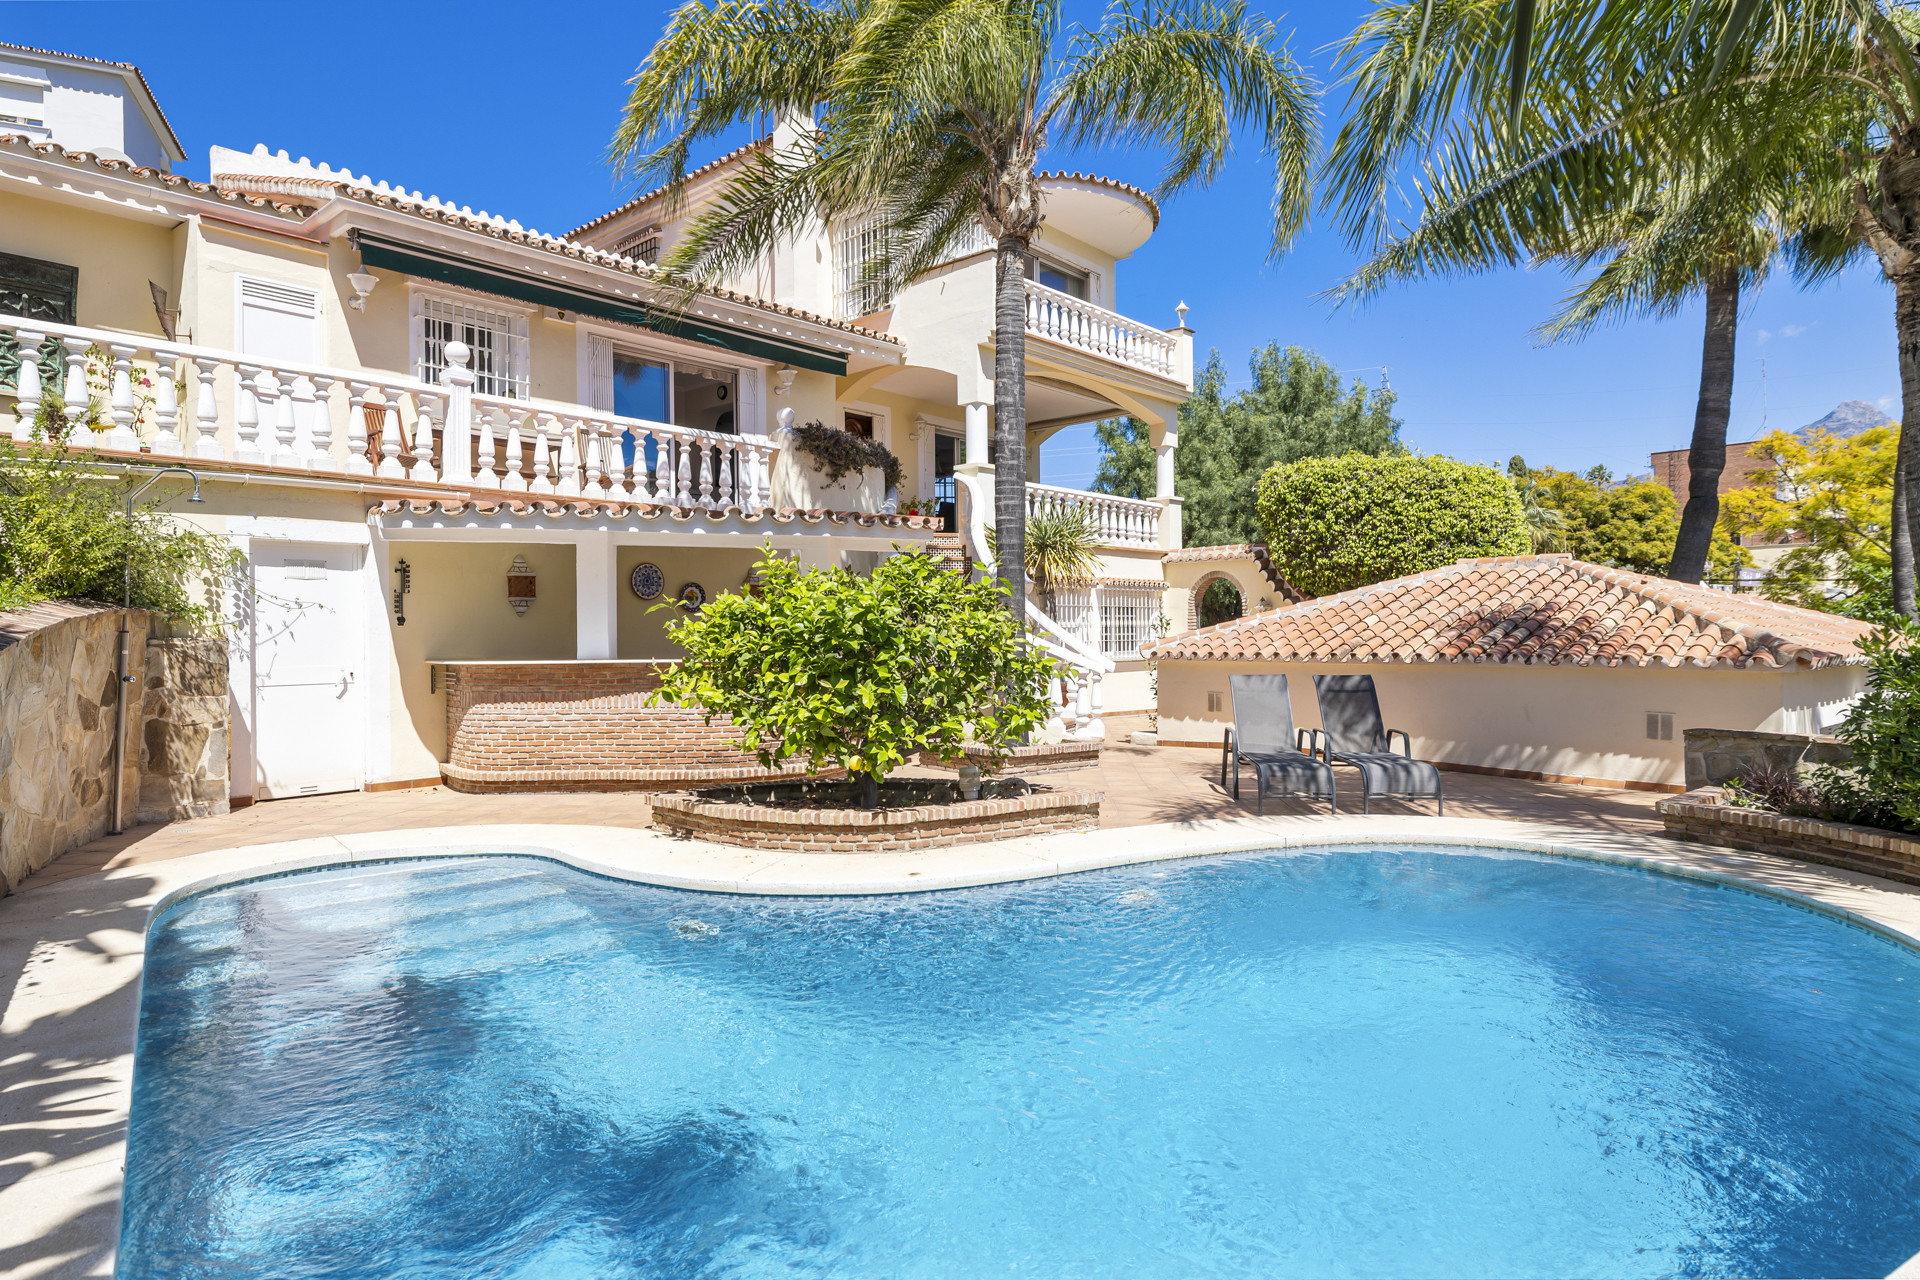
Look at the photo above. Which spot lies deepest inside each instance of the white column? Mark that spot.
(27, 409)
(977, 433)
(456, 453)
(166, 410)
(596, 615)
(1163, 471)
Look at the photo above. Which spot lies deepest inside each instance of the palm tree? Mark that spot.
(931, 118)
(1817, 99)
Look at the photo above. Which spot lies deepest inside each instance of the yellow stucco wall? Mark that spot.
(643, 634)
(458, 609)
(116, 257)
(1562, 721)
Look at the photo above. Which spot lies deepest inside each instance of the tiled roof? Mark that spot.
(757, 144)
(1534, 610)
(311, 184)
(54, 151)
(1254, 551)
(118, 66)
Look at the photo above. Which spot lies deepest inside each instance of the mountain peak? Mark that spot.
(1849, 418)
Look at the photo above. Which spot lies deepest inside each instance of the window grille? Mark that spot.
(856, 243)
(497, 339)
(642, 246)
(1127, 616)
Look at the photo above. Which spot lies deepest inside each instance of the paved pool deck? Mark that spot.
(75, 934)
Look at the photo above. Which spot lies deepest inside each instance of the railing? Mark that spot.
(310, 418)
(1127, 522)
(1065, 318)
(1109, 618)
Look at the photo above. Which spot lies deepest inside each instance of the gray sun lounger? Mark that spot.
(1263, 738)
(1352, 735)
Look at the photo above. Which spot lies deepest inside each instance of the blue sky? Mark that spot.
(509, 108)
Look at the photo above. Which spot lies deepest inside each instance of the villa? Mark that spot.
(463, 457)
(521, 974)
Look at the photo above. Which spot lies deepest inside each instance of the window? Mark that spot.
(856, 243)
(1660, 726)
(497, 339)
(1054, 276)
(642, 388)
(278, 321)
(642, 246)
(38, 290)
(859, 424)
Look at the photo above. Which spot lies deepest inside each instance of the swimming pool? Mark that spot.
(1338, 1062)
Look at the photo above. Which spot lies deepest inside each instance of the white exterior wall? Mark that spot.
(1563, 722)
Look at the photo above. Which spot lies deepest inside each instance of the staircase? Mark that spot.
(949, 551)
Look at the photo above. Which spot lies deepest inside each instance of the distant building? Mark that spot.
(85, 104)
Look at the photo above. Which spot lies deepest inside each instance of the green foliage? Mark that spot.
(1631, 525)
(1333, 524)
(1836, 492)
(1061, 547)
(1296, 408)
(839, 452)
(1221, 602)
(855, 672)
(64, 534)
(1883, 728)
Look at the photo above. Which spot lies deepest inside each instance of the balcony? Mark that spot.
(364, 424)
(1063, 318)
(1119, 522)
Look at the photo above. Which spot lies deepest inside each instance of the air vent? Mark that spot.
(281, 297)
(307, 570)
(1660, 726)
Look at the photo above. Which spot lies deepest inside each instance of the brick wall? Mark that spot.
(1699, 815)
(580, 726)
(878, 830)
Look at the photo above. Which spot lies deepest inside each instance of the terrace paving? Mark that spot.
(1142, 785)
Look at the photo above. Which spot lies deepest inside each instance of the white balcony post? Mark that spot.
(663, 467)
(569, 461)
(706, 474)
(977, 433)
(246, 416)
(281, 398)
(456, 428)
(591, 448)
(683, 477)
(206, 410)
(424, 408)
(26, 409)
(320, 427)
(486, 420)
(515, 480)
(123, 436)
(166, 410)
(542, 451)
(357, 464)
(390, 441)
(75, 403)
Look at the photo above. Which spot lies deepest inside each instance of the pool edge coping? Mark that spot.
(1886, 908)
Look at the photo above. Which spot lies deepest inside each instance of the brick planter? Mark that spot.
(1699, 815)
(731, 815)
(1037, 757)
(581, 726)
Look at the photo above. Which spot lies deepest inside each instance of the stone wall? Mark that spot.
(1714, 756)
(1699, 815)
(184, 727)
(581, 726)
(58, 665)
(934, 826)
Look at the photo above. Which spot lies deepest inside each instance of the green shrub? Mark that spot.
(64, 534)
(856, 672)
(1883, 728)
(1333, 524)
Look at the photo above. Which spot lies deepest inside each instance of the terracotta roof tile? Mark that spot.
(1548, 609)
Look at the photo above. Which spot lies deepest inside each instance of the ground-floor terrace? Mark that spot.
(75, 933)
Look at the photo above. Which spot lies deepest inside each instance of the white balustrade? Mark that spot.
(1129, 522)
(1077, 323)
(250, 410)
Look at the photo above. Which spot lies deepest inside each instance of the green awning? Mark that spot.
(503, 282)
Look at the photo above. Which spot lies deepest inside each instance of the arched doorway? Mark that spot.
(1220, 601)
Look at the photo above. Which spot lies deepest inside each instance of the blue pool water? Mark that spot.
(1331, 1063)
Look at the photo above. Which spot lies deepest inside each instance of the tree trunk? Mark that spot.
(1901, 536)
(1707, 455)
(1010, 422)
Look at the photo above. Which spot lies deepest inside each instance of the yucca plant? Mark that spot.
(1062, 547)
(931, 117)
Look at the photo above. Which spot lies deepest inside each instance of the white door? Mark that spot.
(309, 721)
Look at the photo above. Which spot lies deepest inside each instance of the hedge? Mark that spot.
(1333, 524)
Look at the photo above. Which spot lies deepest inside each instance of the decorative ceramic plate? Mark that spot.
(692, 596)
(648, 582)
